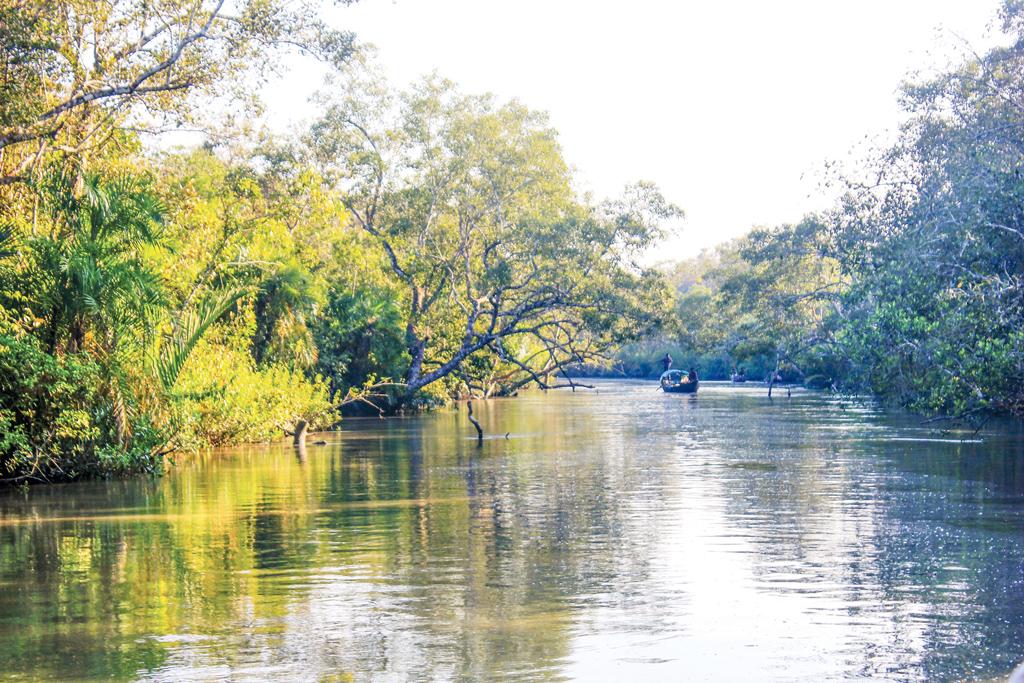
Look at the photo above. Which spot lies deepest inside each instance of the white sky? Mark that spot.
(731, 107)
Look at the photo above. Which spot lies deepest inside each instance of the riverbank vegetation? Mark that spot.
(419, 244)
(409, 246)
(912, 287)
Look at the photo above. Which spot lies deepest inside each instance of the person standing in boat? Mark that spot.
(692, 375)
(666, 362)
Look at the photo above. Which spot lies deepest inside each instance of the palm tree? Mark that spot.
(96, 292)
(100, 292)
(284, 304)
(175, 349)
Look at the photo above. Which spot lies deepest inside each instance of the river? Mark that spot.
(613, 535)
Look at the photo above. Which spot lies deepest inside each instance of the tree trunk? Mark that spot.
(299, 435)
(476, 423)
(775, 373)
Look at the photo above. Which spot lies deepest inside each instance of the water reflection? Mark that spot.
(617, 535)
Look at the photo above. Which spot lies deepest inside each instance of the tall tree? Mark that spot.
(72, 72)
(779, 298)
(93, 284)
(91, 288)
(936, 242)
(471, 203)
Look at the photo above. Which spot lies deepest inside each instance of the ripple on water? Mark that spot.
(622, 535)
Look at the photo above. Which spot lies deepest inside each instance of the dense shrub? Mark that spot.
(56, 422)
(225, 398)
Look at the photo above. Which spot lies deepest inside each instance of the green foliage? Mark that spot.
(79, 302)
(175, 350)
(95, 286)
(91, 285)
(644, 359)
(74, 72)
(911, 288)
(933, 318)
(284, 304)
(225, 398)
(505, 276)
(764, 303)
(360, 338)
(55, 422)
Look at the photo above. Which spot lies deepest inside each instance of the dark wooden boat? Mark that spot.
(677, 382)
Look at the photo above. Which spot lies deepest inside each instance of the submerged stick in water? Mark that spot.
(476, 423)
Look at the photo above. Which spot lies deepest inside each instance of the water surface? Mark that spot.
(615, 535)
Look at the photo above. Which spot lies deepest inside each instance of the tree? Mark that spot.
(470, 202)
(780, 300)
(234, 227)
(73, 72)
(936, 243)
(768, 302)
(251, 237)
(87, 293)
(360, 338)
(93, 286)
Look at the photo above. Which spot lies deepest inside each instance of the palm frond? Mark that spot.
(8, 245)
(175, 350)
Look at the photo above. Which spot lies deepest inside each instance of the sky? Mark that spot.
(732, 108)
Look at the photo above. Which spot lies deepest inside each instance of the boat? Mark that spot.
(677, 382)
(739, 379)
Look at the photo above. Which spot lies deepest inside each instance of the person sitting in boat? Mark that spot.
(672, 378)
(692, 375)
(666, 362)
